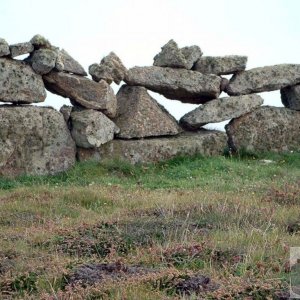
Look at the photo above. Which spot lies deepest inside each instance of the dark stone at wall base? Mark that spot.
(203, 142)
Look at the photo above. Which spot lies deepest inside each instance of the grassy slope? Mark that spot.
(226, 218)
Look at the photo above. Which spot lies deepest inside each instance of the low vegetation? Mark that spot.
(189, 228)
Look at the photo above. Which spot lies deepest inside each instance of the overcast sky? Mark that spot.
(267, 31)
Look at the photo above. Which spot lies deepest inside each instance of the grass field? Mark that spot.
(190, 228)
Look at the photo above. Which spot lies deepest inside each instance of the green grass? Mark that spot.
(232, 219)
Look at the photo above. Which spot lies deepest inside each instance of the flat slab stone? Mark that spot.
(91, 128)
(221, 65)
(20, 49)
(83, 91)
(178, 84)
(35, 141)
(265, 129)
(203, 142)
(264, 79)
(19, 83)
(4, 48)
(219, 110)
(290, 97)
(139, 115)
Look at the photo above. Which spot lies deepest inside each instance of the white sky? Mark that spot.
(267, 31)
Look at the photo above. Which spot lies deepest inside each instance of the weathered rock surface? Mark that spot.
(110, 69)
(203, 142)
(219, 110)
(83, 91)
(20, 49)
(265, 129)
(66, 110)
(174, 57)
(264, 79)
(34, 140)
(71, 65)
(290, 97)
(38, 42)
(139, 115)
(43, 60)
(19, 84)
(91, 128)
(221, 65)
(178, 84)
(4, 48)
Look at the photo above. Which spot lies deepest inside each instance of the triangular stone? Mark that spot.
(139, 115)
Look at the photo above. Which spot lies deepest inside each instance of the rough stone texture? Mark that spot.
(66, 110)
(139, 115)
(38, 42)
(43, 61)
(4, 48)
(221, 65)
(19, 84)
(91, 128)
(83, 91)
(20, 49)
(203, 142)
(34, 140)
(265, 129)
(264, 79)
(290, 97)
(173, 57)
(110, 69)
(178, 84)
(219, 110)
(70, 65)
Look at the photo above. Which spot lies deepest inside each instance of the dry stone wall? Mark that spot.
(131, 125)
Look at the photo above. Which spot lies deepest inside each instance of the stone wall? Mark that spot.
(132, 125)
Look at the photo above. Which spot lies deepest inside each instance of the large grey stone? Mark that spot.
(139, 115)
(264, 79)
(43, 60)
(19, 84)
(219, 110)
(70, 65)
(34, 140)
(83, 91)
(20, 49)
(290, 97)
(158, 149)
(221, 65)
(110, 69)
(178, 84)
(265, 129)
(91, 128)
(4, 48)
(174, 57)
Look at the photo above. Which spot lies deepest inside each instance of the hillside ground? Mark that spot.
(189, 228)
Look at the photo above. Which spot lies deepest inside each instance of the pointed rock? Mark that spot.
(70, 65)
(178, 84)
(139, 115)
(290, 97)
(265, 129)
(219, 110)
(202, 142)
(19, 84)
(264, 79)
(110, 69)
(4, 48)
(91, 129)
(173, 57)
(20, 49)
(221, 65)
(83, 91)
